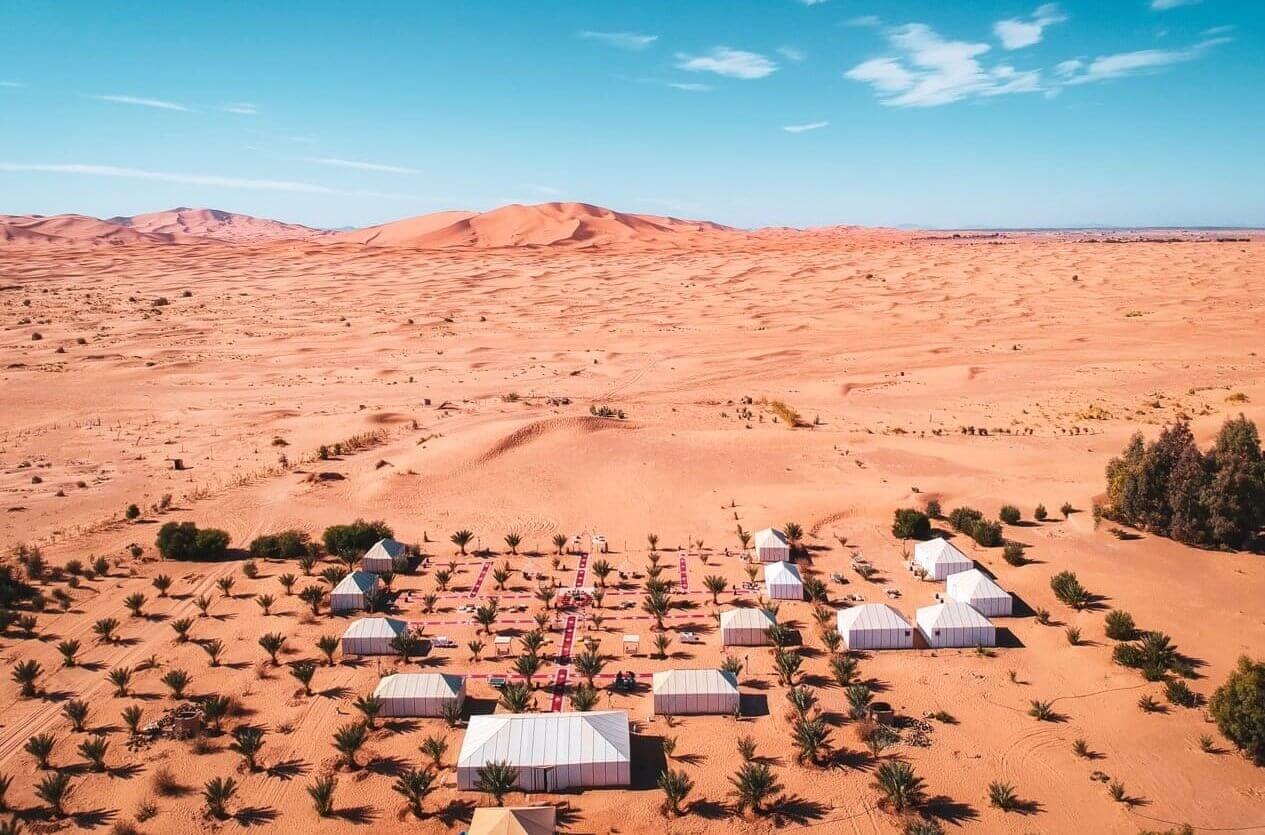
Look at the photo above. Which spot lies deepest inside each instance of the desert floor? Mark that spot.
(476, 371)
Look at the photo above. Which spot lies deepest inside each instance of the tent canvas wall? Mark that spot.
(782, 581)
(349, 594)
(771, 546)
(514, 820)
(745, 627)
(682, 692)
(372, 636)
(552, 751)
(977, 590)
(955, 624)
(875, 626)
(939, 558)
(381, 557)
(419, 694)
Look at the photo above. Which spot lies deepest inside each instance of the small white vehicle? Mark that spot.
(442, 641)
(690, 638)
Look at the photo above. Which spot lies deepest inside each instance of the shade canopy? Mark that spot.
(372, 636)
(518, 820)
(381, 557)
(552, 751)
(955, 624)
(977, 590)
(681, 692)
(875, 626)
(419, 694)
(745, 627)
(782, 581)
(940, 558)
(771, 545)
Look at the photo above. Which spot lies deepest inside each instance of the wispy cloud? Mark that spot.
(731, 63)
(360, 165)
(1165, 5)
(241, 108)
(1120, 64)
(687, 86)
(865, 20)
(804, 128)
(143, 102)
(12, 84)
(622, 40)
(931, 70)
(1016, 33)
(811, 2)
(792, 53)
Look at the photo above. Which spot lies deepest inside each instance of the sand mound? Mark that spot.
(55, 230)
(538, 430)
(218, 225)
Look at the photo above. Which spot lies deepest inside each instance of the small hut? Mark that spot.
(550, 751)
(939, 558)
(349, 594)
(955, 624)
(372, 636)
(420, 694)
(874, 626)
(682, 692)
(782, 581)
(771, 546)
(745, 627)
(380, 559)
(977, 590)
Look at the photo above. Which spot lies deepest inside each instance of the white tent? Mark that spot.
(955, 624)
(782, 581)
(771, 546)
(552, 751)
(940, 558)
(381, 557)
(977, 590)
(513, 820)
(349, 594)
(372, 636)
(681, 692)
(419, 694)
(875, 626)
(745, 627)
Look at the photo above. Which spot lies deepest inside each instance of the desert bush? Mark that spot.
(933, 508)
(288, 544)
(183, 541)
(1238, 708)
(1013, 554)
(910, 523)
(1009, 514)
(1119, 625)
(356, 537)
(1069, 590)
(1040, 513)
(1179, 693)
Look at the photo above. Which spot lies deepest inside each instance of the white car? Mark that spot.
(442, 641)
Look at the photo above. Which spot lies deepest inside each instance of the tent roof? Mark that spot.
(939, 550)
(950, 615)
(746, 619)
(769, 536)
(529, 739)
(871, 616)
(356, 581)
(781, 572)
(388, 548)
(695, 681)
(419, 686)
(376, 628)
(521, 820)
(976, 585)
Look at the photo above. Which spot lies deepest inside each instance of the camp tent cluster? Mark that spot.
(682, 692)
(771, 546)
(745, 627)
(380, 559)
(372, 636)
(782, 581)
(349, 594)
(551, 751)
(420, 694)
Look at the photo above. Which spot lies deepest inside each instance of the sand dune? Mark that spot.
(35, 230)
(217, 225)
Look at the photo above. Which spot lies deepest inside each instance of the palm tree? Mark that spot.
(215, 707)
(559, 542)
(68, 649)
(265, 602)
(435, 746)
(369, 706)
(513, 540)
(652, 539)
(601, 570)
(132, 715)
(844, 669)
(121, 678)
(15, 828)
(328, 645)
(589, 664)
(716, 585)
(517, 697)
(429, 600)
(287, 582)
(313, 596)
(162, 582)
(53, 790)
(584, 698)
(135, 603)
(415, 784)
(177, 680)
(754, 783)
(248, 741)
(203, 604)
(803, 699)
(794, 533)
(901, 788)
(831, 640)
(656, 604)
(533, 641)
(442, 576)
(501, 574)
(676, 786)
(497, 778)
(746, 748)
(213, 648)
(859, 697)
(461, 539)
(217, 792)
(485, 616)
(93, 750)
(104, 630)
(77, 712)
(787, 665)
(527, 665)
(1002, 796)
(181, 628)
(661, 644)
(476, 648)
(744, 538)
(450, 712)
(546, 594)
(272, 642)
(1042, 711)
(812, 737)
(304, 671)
(348, 739)
(322, 793)
(225, 585)
(41, 747)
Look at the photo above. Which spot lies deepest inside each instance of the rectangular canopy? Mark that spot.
(419, 694)
(940, 558)
(552, 751)
(681, 692)
(875, 626)
(381, 557)
(350, 592)
(745, 627)
(954, 624)
(782, 581)
(372, 636)
(977, 589)
(771, 546)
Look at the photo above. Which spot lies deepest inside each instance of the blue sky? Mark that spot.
(1128, 112)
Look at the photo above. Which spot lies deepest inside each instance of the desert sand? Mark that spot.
(470, 365)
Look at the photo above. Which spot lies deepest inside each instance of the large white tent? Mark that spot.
(419, 694)
(875, 626)
(782, 581)
(372, 636)
(350, 592)
(682, 692)
(771, 546)
(977, 590)
(552, 751)
(955, 624)
(939, 558)
(381, 557)
(745, 627)
(513, 820)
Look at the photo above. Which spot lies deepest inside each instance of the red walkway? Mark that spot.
(564, 661)
(685, 574)
(581, 568)
(483, 572)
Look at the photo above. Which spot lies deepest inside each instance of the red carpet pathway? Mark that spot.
(483, 572)
(581, 568)
(564, 660)
(685, 574)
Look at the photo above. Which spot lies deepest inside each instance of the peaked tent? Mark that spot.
(552, 751)
(381, 557)
(372, 636)
(513, 820)
(745, 627)
(682, 692)
(419, 694)
(349, 594)
(955, 624)
(782, 581)
(977, 590)
(875, 626)
(771, 546)
(939, 558)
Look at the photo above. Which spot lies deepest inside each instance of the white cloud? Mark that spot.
(241, 108)
(811, 2)
(866, 20)
(689, 86)
(12, 84)
(1165, 5)
(1122, 64)
(804, 128)
(1016, 33)
(792, 53)
(933, 71)
(731, 63)
(622, 40)
(142, 102)
(360, 166)
(1069, 68)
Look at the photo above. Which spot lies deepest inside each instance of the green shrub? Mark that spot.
(1009, 514)
(1119, 626)
(1069, 590)
(1040, 513)
(289, 544)
(911, 524)
(357, 537)
(1238, 708)
(1013, 554)
(183, 541)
